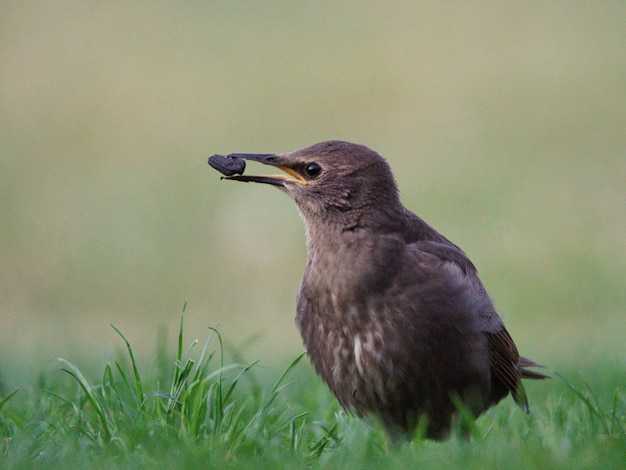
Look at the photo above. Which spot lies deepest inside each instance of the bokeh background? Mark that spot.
(505, 124)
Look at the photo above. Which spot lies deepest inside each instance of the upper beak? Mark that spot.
(291, 175)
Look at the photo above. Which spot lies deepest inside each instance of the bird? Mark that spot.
(392, 314)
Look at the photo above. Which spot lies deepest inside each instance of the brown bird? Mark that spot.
(392, 314)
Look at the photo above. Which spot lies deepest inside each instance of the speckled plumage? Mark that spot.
(392, 314)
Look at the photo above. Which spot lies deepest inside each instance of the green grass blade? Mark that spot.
(286, 371)
(138, 386)
(205, 358)
(6, 399)
(89, 394)
(179, 354)
(593, 406)
(236, 379)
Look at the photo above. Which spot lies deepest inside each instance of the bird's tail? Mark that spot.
(519, 393)
(530, 374)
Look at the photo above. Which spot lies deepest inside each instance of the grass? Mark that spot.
(205, 413)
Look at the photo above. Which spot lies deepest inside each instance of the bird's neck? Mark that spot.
(325, 242)
(343, 261)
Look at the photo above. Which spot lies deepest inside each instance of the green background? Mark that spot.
(505, 125)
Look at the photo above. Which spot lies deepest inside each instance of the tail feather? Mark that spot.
(530, 374)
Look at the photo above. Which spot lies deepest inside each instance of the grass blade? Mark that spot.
(89, 394)
(138, 386)
(6, 399)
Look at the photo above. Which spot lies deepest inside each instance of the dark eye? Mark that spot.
(312, 170)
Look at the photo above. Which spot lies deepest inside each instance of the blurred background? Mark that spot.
(505, 124)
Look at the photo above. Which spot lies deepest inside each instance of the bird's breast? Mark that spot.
(346, 345)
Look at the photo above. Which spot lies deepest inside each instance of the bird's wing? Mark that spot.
(505, 366)
(447, 252)
(503, 353)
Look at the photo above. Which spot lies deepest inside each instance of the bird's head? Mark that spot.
(332, 182)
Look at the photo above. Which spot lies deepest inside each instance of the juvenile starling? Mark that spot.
(392, 314)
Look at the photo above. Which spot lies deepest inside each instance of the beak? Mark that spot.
(291, 175)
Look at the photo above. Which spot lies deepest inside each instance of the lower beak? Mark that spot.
(291, 175)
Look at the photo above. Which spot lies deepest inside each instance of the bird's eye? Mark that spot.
(312, 170)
